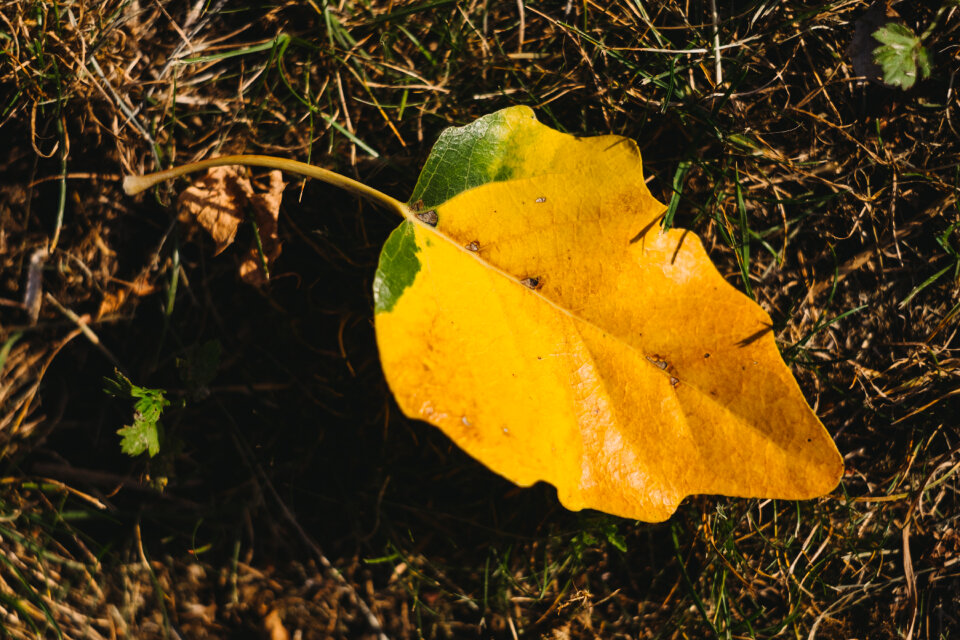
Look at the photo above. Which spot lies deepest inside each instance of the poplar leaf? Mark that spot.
(531, 307)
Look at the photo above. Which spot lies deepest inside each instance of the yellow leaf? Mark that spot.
(532, 309)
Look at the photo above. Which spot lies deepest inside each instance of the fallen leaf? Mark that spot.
(543, 321)
(216, 202)
(113, 300)
(266, 215)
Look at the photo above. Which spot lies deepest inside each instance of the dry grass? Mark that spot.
(850, 215)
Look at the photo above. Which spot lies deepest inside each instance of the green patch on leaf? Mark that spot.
(467, 157)
(901, 55)
(146, 433)
(397, 269)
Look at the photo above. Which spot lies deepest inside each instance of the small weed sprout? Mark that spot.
(145, 435)
(901, 53)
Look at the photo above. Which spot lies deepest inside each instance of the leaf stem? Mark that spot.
(133, 185)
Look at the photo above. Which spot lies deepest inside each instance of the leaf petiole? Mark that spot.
(133, 185)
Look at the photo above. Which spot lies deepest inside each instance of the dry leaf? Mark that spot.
(216, 202)
(113, 300)
(266, 215)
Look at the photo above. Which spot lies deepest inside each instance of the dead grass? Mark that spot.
(850, 215)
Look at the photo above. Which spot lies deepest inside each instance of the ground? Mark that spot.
(290, 498)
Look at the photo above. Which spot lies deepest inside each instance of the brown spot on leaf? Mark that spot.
(418, 205)
(674, 381)
(531, 283)
(428, 217)
(541, 200)
(659, 362)
(473, 246)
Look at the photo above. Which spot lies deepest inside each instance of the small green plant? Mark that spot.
(901, 53)
(197, 369)
(594, 531)
(145, 435)
(945, 241)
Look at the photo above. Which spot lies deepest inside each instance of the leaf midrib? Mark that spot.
(475, 255)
